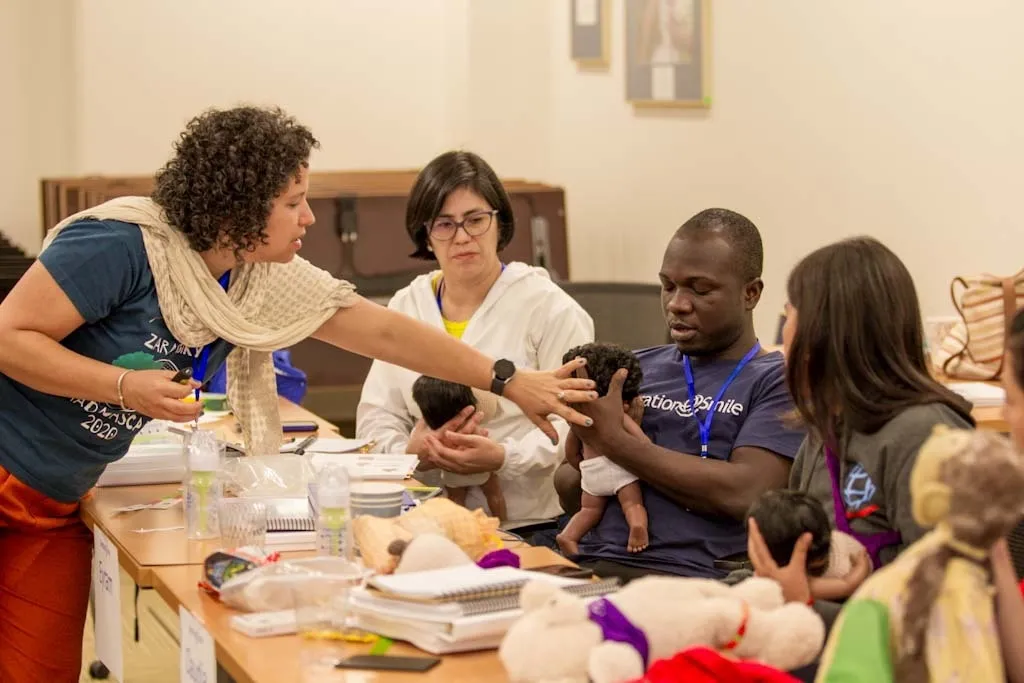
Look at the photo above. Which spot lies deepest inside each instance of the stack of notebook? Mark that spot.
(290, 524)
(458, 609)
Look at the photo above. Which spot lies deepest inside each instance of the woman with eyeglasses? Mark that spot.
(459, 214)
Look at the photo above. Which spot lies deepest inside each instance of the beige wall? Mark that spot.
(895, 118)
(899, 119)
(36, 109)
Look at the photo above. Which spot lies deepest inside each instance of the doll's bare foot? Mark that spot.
(637, 539)
(568, 546)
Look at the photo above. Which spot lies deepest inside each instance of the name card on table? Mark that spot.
(106, 588)
(198, 658)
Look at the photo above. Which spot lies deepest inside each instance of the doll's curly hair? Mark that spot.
(603, 360)
(227, 168)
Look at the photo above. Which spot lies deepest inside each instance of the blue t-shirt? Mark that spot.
(60, 446)
(751, 413)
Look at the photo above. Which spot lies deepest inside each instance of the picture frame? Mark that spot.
(590, 33)
(668, 53)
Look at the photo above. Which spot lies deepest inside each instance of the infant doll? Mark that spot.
(600, 477)
(784, 515)
(440, 401)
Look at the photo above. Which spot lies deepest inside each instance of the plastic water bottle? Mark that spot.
(333, 532)
(202, 485)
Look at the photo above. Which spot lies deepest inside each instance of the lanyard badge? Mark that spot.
(704, 426)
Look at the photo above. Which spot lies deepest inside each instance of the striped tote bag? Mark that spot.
(973, 348)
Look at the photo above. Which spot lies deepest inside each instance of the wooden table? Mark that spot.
(139, 553)
(277, 659)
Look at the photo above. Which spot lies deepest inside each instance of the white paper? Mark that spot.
(198, 657)
(106, 586)
(391, 466)
(663, 82)
(326, 445)
(586, 12)
(980, 393)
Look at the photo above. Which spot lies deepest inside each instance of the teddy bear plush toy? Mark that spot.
(471, 530)
(928, 616)
(562, 638)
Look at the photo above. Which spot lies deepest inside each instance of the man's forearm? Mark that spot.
(39, 362)
(700, 484)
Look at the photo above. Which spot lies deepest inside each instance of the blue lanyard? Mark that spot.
(440, 288)
(704, 427)
(200, 363)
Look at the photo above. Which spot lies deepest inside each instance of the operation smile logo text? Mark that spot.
(683, 409)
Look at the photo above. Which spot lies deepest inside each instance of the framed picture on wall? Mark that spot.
(668, 48)
(590, 32)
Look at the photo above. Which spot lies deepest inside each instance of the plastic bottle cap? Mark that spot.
(332, 489)
(332, 498)
(203, 460)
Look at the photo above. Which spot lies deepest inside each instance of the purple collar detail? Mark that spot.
(499, 558)
(615, 626)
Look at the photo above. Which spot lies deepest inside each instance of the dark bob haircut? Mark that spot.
(227, 168)
(441, 177)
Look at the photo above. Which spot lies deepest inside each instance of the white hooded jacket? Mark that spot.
(525, 318)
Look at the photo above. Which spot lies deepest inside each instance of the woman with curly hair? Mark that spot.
(125, 294)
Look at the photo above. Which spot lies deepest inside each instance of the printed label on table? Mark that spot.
(198, 658)
(586, 12)
(663, 82)
(106, 587)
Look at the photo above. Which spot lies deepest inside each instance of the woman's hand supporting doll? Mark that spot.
(842, 587)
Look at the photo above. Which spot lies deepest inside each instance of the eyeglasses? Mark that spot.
(475, 224)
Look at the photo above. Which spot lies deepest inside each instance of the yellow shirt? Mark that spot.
(961, 642)
(453, 327)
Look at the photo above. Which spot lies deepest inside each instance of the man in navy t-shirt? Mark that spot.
(714, 412)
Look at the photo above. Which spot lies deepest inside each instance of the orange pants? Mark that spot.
(45, 574)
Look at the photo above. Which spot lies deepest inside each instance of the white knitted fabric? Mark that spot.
(269, 306)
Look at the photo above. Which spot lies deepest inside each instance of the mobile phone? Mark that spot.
(565, 570)
(300, 426)
(182, 376)
(388, 663)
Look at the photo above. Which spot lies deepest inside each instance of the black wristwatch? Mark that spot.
(503, 371)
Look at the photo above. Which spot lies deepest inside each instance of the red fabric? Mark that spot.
(45, 573)
(1021, 587)
(704, 665)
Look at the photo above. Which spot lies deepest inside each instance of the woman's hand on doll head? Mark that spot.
(463, 453)
(466, 422)
(540, 394)
(793, 576)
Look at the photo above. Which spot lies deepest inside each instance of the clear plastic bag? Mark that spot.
(272, 587)
(269, 476)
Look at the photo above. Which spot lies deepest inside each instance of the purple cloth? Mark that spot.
(615, 626)
(873, 543)
(499, 558)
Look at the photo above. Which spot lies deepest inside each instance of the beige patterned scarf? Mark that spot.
(269, 306)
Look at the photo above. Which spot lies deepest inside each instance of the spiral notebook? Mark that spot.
(476, 590)
(290, 524)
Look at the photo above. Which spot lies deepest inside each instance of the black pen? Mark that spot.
(301, 448)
